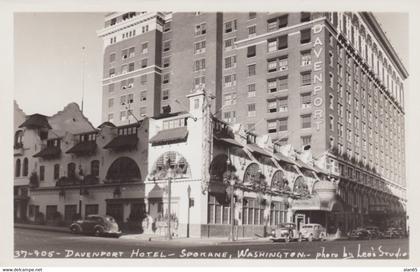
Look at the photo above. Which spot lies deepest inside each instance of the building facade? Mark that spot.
(329, 80)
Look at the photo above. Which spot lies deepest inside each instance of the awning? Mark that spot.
(314, 203)
(228, 141)
(80, 148)
(36, 121)
(256, 149)
(283, 158)
(122, 142)
(170, 136)
(320, 170)
(49, 152)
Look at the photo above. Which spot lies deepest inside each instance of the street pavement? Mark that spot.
(30, 243)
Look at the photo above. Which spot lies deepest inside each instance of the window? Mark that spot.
(166, 78)
(199, 81)
(131, 67)
(252, 31)
(200, 29)
(143, 96)
(111, 117)
(91, 209)
(272, 126)
(111, 88)
(283, 124)
(230, 62)
(275, 84)
(166, 62)
(272, 106)
(282, 42)
(251, 90)
(252, 110)
(143, 63)
(331, 59)
(110, 102)
(331, 101)
(306, 57)
(56, 171)
(282, 104)
(331, 123)
(123, 115)
(166, 46)
(305, 17)
(231, 26)
(306, 121)
(144, 48)
(229, 43)
(252, 15)
(229, 116)
(131, 52)
(123, 100)
(200, 47)
(124, 54)
(199, 65)
(276, 23)
(17, 168)
(306, 78)
(167, 27)
(219, 212)
(143, 79)
(165, 95)
(306, 100)
(230, 80)
(143, 111)
(272, 45)
(251, 51)
(94, 168)
(112, 57)
(71, 170)
(252, 70)
(111, 72)
(145, 28)
(305, 36)
(277, 64)
(306, 140)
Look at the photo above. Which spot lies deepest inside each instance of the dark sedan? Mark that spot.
(97, 225)
(359, 234)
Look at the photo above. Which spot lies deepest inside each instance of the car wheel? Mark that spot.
(98, 231)
(310, 238)
(75, 229)
(322, 237)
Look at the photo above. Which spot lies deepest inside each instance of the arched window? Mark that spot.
(123, 169)
(300, 186)
(279, 181)
(25, 167)
(17, 168)
(218, 166)
(251, 174)
(71, 170)
(170, 160)
(94, 168)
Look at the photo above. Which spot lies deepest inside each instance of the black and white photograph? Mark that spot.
(217, 135)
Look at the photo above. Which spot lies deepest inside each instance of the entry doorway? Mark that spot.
(300, 220)
(116, 210)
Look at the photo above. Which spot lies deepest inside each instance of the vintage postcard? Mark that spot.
(211, 135)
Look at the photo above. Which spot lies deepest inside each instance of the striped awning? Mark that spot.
(170, 136)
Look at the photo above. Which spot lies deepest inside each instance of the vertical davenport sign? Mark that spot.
(318, 76)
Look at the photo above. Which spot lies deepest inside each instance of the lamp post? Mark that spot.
(230, 190)
(189, 206)
(169, 198)
(81, 189)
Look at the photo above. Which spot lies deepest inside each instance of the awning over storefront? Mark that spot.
(170, 136)
(49, 152)
(256, 149)
(122, 142)
(228, 141)
(81, 148)
(315, 203)
(304, 165)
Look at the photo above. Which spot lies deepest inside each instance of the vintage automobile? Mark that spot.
(359, 234)
(97, 225)
(312, 232)
(286, 232)
(391, 233)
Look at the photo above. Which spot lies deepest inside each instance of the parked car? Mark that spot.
(97, 225)
(374, 232)
(312, 232)
(391, 233)
(286, 232)
(359, 234)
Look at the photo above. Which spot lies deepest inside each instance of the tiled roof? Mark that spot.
(280, 157)
(36, 121)
(228, 141)
(255, 148)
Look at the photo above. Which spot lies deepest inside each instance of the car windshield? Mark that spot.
(307, 227)
(286, 226)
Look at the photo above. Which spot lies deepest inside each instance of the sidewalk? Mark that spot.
(41, 227)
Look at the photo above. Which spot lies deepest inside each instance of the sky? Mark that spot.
(48, 59)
